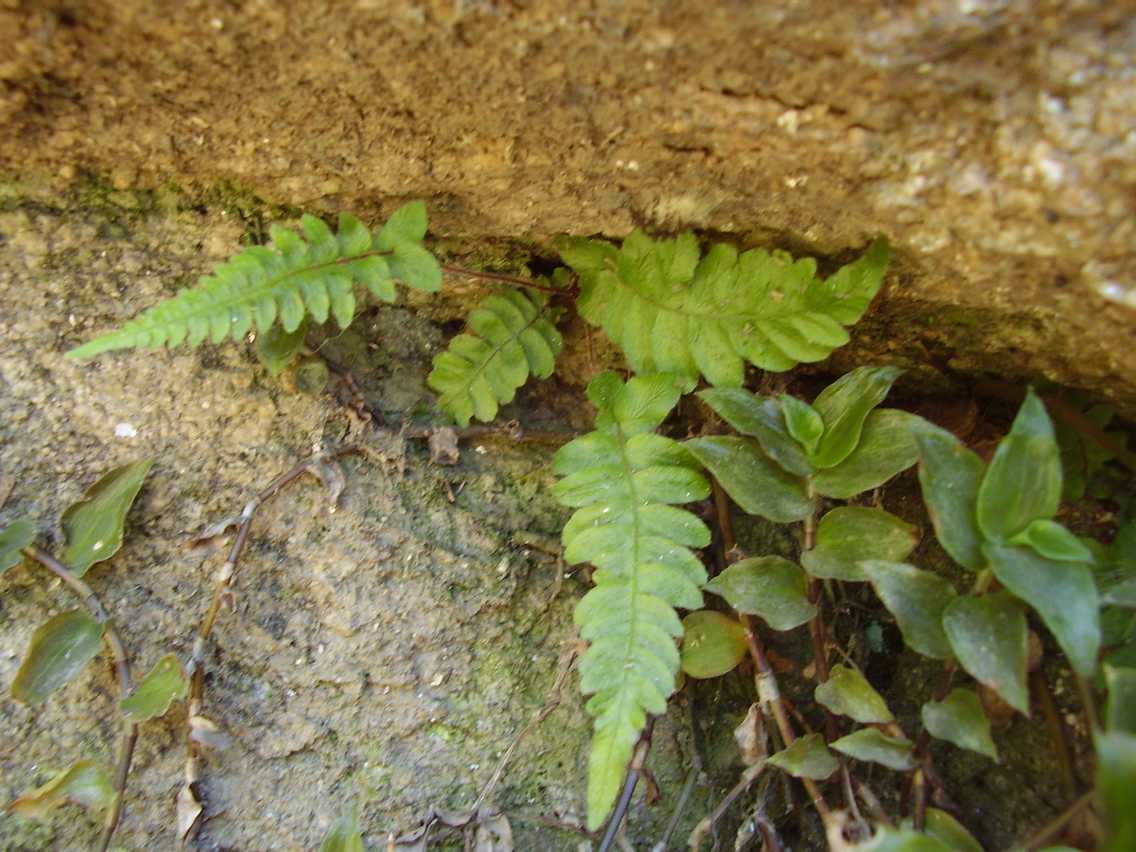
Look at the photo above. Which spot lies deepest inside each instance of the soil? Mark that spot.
(383, 655)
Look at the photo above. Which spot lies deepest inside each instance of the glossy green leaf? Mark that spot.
(754, 482)
(1023, 481)
(16, 536)
(844, 405)
(848, 693)
(85, 783)
(902, 840)
(917, 599)
(763, 418)
(165, 684)
(988, 636)
(950, 475)
(712, 644)
(1062, 593)
(850, 534)
(1116, 788)
(960, 719)
(277, 348)
(1053, 541)
(59, 650)
(873, 745)
(344, 836)
(949, 831)
(1120, 711)
(803, 422)
(94, 525)
(806, 757)
(887, 447)
(767, 586)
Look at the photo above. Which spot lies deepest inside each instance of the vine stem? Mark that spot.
(768, 692)
(508, 279)
(122, 671)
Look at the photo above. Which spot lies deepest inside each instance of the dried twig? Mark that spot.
(200, 729)
(122, 671)
(707, 823)
(476, 813)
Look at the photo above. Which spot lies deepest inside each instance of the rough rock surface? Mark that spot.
(990, 139)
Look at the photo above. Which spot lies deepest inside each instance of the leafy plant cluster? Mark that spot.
(685, 320)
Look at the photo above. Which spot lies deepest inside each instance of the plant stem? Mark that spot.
(1058, 739)
(707, 823)
(507, 279)
(1051, 828)
(633, 772)
(122, 671)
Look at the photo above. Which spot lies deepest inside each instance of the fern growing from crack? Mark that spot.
(298, 276)
(511, 336)
(672, 312)
(624, 480)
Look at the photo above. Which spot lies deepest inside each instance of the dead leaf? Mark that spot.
(206, 732)
(494, 834)
(443, 443)
(751, 737)
(189, 812)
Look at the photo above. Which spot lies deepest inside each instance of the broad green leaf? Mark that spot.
(948, 830)
(1120, 712)
(806, 757)
(277, 348)
(1116, 786)
(60, 649)
(344, 835)
(1023, 481)
(407, 224)
(950, 475)
(903, 840)
(803, 421)
(94, 525)
(767, 586)
(165, 684)
(16, 536)
(84, 782)
(960, 719)
(887, 447)
(850, 534)
(712, 644)
(1062, 593)
(917, 599)
(872, 744)
(988, 636)
(844, 405)
(671, 312)
(848, 693)
(1053, 541)
(754, 482)
(762, 418)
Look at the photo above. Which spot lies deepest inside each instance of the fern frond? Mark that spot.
(296, 277)
(512, 337)
(623, 480)
(672, 312)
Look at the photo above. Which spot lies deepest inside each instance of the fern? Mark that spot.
(622, 479)
(512, 337)
(297, 276)
(671, 312)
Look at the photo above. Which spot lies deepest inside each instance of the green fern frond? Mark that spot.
(512, 337)
(296, 277)
(672, 312)
(623, 480)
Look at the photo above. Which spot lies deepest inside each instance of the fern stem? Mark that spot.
(508, 279)
(634, 770)
(122, 670)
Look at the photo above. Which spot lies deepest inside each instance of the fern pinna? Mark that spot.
(623, 480)
(297, 276)
(673, 313)
(512, 336)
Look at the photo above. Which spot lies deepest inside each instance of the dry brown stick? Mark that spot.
(706, 824)
(189, 806)
(1050, 829)
(122, 670)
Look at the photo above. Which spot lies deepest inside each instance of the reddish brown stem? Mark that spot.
(507, 279)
